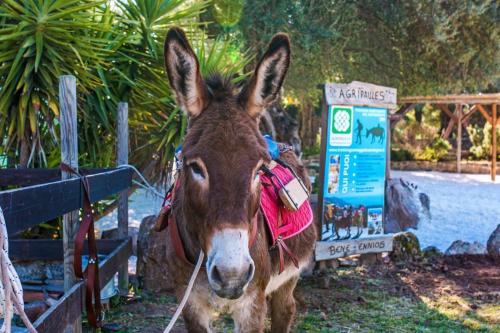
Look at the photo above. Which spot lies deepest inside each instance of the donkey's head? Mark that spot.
(222, 153)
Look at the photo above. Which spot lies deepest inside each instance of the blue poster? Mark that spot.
(354, 179)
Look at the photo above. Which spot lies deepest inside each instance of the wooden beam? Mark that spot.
(28, 206)
(458, 112)
(69, 307)
(453, 99)
(444, 108)
(28, 177)
(116, 259)
(66, 311)
(122, 158)
(388, 154)
(484, 113)
(398, 115)
(322, 166)
(446, 134)
(52, 249)
(469, 114)
(494, 143)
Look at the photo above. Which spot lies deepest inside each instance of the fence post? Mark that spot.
(69, 155)
(494, 122)
(122, 158)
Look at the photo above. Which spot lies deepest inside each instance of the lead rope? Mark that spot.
(197, 268)
(186, 294)
(11, 291)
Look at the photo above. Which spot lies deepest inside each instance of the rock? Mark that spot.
(152, 273)
(39, 270)
(405, 246)
(493, 244)
(405, 206)
(113, 234)
(461, 247)
(431, 251)
(368, 259)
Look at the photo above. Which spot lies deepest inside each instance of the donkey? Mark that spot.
(343, 221)
(217, 198)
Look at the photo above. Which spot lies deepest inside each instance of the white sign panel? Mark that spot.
(360, 93)
(338, 249)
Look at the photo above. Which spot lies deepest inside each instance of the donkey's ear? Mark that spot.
(265, 84)
(183, 73)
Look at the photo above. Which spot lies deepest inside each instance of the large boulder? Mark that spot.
(431, 251)
(152, 273)
(405, 246)
(493, 245)
(405, 206)
(461, 247)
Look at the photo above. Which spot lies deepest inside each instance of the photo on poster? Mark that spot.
(375, 221)
(333, 175)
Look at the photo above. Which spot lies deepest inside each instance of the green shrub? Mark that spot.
(435, 152)
(401, 154)
(480, 138)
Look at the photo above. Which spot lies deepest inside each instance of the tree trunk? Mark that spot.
(24, 153)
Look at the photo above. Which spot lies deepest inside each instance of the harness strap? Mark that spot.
(282, 247)
(91, 273)
(175, 237)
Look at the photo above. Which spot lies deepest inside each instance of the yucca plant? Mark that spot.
(39, 41)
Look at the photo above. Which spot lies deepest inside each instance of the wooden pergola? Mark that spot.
(478, 102)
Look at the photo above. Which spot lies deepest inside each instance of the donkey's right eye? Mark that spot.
(196, 171)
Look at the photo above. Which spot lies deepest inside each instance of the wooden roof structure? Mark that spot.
(486, 104)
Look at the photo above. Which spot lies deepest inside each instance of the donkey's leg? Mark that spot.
(250, 313)
(283, 307)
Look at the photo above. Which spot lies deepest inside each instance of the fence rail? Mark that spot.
(29, 206)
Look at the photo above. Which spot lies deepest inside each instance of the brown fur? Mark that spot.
(225, 137)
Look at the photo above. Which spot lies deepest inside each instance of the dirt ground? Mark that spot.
(438, 294)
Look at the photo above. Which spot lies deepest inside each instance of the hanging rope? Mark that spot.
(11, 290)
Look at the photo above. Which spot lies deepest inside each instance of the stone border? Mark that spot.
(475, 167)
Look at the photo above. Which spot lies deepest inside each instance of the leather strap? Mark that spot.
(176, 239)
(91, 273)
(282, 247)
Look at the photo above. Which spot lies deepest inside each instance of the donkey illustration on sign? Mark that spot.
(376, 132)
(217, 197)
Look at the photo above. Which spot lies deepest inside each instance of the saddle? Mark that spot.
(284, 205)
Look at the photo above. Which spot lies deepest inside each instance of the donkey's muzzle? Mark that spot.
(229, 282)
(230, 268)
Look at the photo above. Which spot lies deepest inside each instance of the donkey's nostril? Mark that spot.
(251, 270)
(216, 276)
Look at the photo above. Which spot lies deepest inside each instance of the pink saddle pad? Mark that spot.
(281, 221)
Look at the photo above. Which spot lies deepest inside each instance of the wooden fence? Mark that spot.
(40, 195)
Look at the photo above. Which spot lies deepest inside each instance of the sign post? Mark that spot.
(353, 170)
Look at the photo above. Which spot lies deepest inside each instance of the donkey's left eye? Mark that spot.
(196, 171)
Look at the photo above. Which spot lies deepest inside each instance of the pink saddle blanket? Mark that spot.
(281, 221)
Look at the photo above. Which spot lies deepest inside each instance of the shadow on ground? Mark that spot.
(440, 294)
